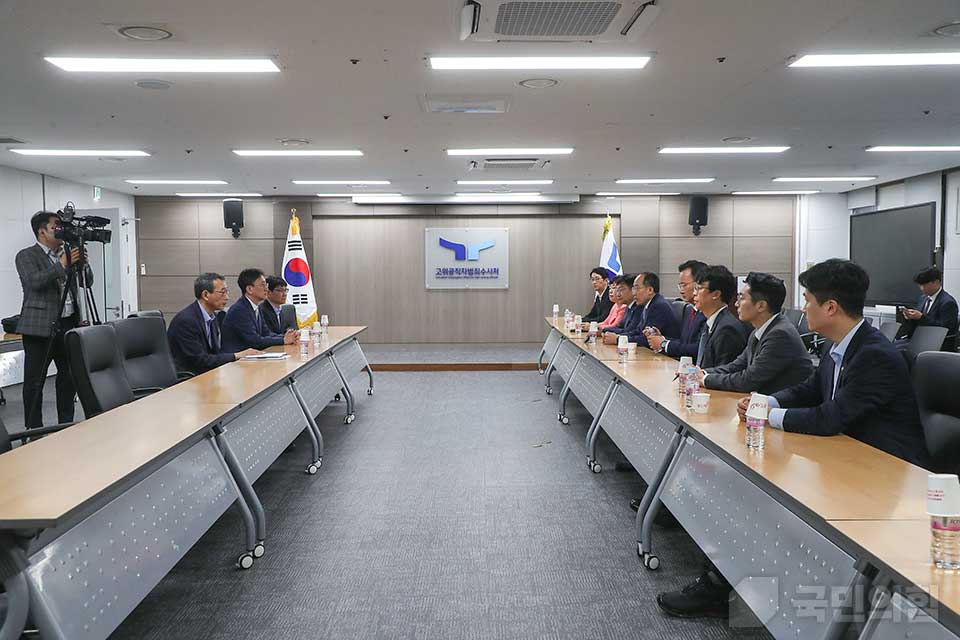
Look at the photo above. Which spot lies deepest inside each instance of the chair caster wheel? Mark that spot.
(259, 550)
(370, 392)
(548, 390)
(312, 468)
(349, 419)
(540, 371)
(245, 561)
(336, 398)
(651, 562)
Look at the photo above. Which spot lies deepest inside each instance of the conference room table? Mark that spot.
(795, 527)
(93, 516)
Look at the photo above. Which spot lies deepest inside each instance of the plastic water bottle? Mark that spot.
(692, 386)
(757, 412)
(324, 324)
(943, 507)
(592, 332)
(305, 341)
(685, 361)
(577, 322)
(556, 313)
(317, 331)
(622, 348)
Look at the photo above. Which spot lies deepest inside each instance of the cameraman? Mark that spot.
(43, 275)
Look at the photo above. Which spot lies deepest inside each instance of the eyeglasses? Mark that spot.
(221, 292)
(596, 279)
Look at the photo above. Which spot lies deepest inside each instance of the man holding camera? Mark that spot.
(43, 269)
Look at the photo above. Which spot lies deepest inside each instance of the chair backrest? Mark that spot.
(889, 330)
(678, 306)
(97, 368)
(4, 438)
(147, 313)
(793, 315)
(288, 317)
(802, 325)
(936, 377)
(868, 320)
(147, 359)
(926, 339)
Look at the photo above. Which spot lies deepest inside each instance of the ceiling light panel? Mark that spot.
(530, 151)
(504, 196)
(539, 63)
(933, 58)
(776, 193)
(695, 150)
(357, 182)
(664, 180)
(220, 195)
(175, 181)
(165, 65)
(350, 195)
(503, 182)
(100, 153)
(266, 153)
(611, 194)
(827, 179)
(901, 149)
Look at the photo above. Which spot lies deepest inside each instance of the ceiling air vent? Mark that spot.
(435, 103)
(555, 20)
(513, 164)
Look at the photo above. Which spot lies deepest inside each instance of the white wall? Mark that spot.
(823, 231)
(951, 236)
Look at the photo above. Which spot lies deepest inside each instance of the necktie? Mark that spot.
(837, 359)
(256, 314)
(214, 337)
(693, 314)
(701, 350)
(927, 305)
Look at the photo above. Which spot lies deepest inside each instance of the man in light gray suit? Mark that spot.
(775, 357)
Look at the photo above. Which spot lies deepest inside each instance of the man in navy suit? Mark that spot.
(723, 337)
(270, 308)
(631, 317)
(936, 307)
(194, 333)
(862, 389)
(656, 316)
(243, 327)
(691, 320)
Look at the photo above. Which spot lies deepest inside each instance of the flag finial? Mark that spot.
(607, 226)
(294, 222)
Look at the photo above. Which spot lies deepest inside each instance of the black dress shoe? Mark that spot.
(707, 597)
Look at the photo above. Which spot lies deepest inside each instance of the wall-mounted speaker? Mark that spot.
(233, 215)
(698, 213)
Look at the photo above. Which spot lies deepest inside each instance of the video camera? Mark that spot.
(74, 229)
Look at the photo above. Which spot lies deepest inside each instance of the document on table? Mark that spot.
(268, 356)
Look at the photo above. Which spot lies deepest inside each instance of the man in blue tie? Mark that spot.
(936, 307)
(243, 327)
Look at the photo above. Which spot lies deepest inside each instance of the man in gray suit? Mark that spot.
(42, 268)
(775, 357)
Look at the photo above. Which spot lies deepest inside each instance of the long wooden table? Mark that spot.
(113, 502)
(852, 507)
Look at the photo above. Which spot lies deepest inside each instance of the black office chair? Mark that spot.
(7, 438)
(794, 316)
(288, 317)
(936, 376)
(147, 360)
(97, 368)
(889, 330)
(926, 339)
(678, 307)
(147, 313)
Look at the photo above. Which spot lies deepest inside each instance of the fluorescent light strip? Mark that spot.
(518, 194)
(351, 195)
(267, 153)
(776, 193)
(882, 149)
(540, 63)
(663, 180)
(504, 182)
(166, 65)
(878, 59)
(611, 194)
(176, 181)
(340, 181)
(102, 153)
(723, 149)
(220, 195)
(828, 179)
(528, 151)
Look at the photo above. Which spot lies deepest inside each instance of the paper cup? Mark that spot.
(631, 347)
(685, 361)
(758, 407)
(701, 402)
(943, 494)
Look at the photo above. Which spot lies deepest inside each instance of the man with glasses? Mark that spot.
(599, 280)
(244, 327)
(270, 308)
(724, 336)
(194, 333)
(691, 320)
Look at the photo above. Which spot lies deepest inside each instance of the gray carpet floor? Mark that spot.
(456, 506)
(451, 353)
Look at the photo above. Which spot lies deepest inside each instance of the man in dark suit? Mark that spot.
(42, 268)
(633, 314)
(723, 338)
(691, 320)
(270, 308)
(775, 357)
(194, 333)
(657, 317)
(862, 389)
(244, 328)
(936, 308)
(599, 280)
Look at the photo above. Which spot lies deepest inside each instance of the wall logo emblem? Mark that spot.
(466, 251)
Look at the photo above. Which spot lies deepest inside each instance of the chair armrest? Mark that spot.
(145, 391)
(184, 375)
(39, 431)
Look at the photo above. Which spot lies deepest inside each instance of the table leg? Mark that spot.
(650, 503)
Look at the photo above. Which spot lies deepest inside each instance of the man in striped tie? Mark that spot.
(243, 328)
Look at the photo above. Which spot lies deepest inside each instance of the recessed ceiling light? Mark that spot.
(155, 85)
(297, 152)
(175, 181)
(220, 195)
(737, 139)
(664, 180)
(350, 195)
(505, 182)
(539, 62)
(147, 34)
(166, 65)
(828, 179)
(105, 153)
(723, 149)
(951, 30)
(538, 83)
(528, 151)
(882, 149)
(518, 194)
(293, 142)
(340, 181)
(775, 193)
(878, 59)
(611, 194)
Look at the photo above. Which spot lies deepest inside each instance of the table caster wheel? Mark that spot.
(349, 419)
(370, 392)
(3, 401)
(640, 551)
(245, 561)
(336, 398)
(564, 419)
(548, 390)
(312, 468)
(259, 550)
(595, 467)
(540, 371)
(651, 562)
